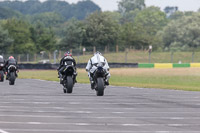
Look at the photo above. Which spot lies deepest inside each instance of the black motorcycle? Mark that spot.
(99, 80)
(69, 77)
(12, 74)
(1, 72)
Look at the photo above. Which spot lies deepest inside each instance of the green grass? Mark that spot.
(179, 79)
(143, 57)
(164, 82)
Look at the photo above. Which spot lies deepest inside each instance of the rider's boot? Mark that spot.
(7, 76)
(92, 83)
(61, 78)
(107, 82)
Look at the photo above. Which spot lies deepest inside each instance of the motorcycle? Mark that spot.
(99, 80)
(12, 74)
(1, 72)
(69, 77)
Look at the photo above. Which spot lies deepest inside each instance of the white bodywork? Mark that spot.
(97, 60)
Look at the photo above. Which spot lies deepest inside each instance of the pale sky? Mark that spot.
(111, 5)
(184, 5)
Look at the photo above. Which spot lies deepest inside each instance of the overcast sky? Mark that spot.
(184, 5)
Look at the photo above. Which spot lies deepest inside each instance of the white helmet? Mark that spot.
(97, 53)
(1, 56)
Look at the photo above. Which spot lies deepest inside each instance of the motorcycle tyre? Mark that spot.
(100, 87)
(12, 78)
(1, 76)
(70, 84)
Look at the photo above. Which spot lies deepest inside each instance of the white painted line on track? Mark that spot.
(128, 117)
(2, 131)
(32, 107)
(33, 123)
(89, 108)
(80, 103)
(45, 80)
(91, 112)
(95, 131)
(83, 100)
(99, 124)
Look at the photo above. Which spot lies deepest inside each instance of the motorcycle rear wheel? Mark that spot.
(1, 76)
(69, 84)
(100, 87)
(12, 78)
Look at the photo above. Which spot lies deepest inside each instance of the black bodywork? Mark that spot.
(99, 77)
(12, 74)
(69, 76)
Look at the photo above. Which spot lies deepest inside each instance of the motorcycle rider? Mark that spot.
(11, 61)
(91, 67)
(67, 57)
(3, 62)
(2, 59)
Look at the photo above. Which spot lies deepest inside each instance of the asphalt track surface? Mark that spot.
(35, 106)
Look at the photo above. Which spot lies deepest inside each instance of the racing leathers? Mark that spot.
(92, 66)
(62, 67)
(8, 63)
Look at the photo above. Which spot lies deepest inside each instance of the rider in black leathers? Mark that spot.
(67, 57)
(11, 61)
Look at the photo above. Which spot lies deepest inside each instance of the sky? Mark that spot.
(111, 5)
(184, 5)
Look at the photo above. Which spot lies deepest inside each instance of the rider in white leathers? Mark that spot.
(92, 66)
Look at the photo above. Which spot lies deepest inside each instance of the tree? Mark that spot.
(43, 38)
(6, 13)
(152, 19)
(182, 34)
(142, 32)
(101, 30)
(176, 15)
(115, 16)
(48, 19)
(5, 40)
(68, 11)
(19, 31)
(84, 8)
(170, 10)
(130, 5)
(129, 16)
(73, 35)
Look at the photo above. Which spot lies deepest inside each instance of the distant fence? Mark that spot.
(128, 56)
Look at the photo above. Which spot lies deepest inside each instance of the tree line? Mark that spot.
(133, 25)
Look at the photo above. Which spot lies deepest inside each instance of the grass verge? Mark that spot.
(177, 78)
